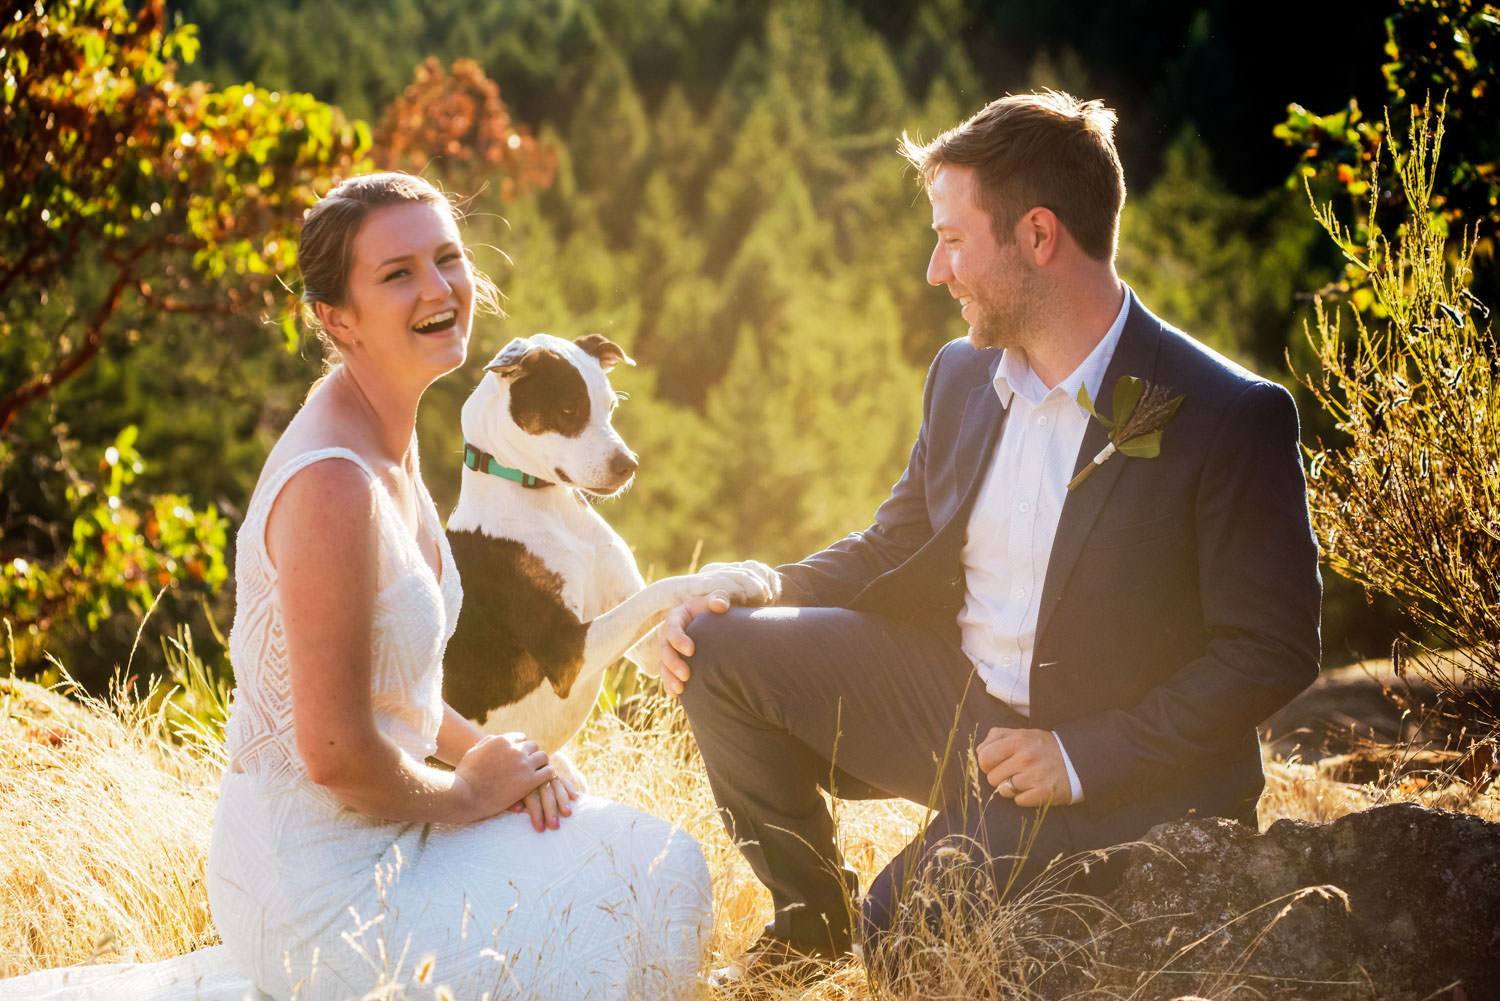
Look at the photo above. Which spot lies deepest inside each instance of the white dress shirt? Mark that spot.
(1015, 519)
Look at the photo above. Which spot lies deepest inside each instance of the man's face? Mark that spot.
(993, 283)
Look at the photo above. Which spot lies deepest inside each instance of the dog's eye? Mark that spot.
(569, 411)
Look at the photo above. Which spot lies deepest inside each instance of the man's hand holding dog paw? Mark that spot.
(674, 643)
(747, 583)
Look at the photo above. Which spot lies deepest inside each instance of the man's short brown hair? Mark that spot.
(1047, 149)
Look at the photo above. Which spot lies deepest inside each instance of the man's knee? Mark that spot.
(709, 633)
(720, 651)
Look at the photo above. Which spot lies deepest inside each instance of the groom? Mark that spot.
(1104, 647)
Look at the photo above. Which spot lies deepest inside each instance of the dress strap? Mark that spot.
(301, 461)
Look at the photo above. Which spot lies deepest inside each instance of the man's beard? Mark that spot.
(1010, 318)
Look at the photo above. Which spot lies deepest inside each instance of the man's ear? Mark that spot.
(1038, 233)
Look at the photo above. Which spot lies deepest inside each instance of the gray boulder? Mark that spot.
(1396, 903)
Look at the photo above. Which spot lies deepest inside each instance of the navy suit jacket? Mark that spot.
(1181, 601)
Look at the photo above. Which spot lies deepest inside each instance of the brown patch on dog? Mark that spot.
(513, 631)
(547, 393)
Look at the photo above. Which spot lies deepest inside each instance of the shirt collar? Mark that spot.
(1014, 375)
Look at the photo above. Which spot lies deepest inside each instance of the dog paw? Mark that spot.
(749, 582)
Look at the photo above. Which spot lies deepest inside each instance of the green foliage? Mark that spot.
(1409, 504)
(1226, 268)
(194, 703)
(129, 199)
(120, 554)
(1437, 50)
(165, 186)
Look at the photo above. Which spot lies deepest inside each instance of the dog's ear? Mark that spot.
(607, 351)
(510, 357)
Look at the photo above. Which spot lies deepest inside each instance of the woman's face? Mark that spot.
(410, 303)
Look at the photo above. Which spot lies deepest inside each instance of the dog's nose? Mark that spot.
(623, 465)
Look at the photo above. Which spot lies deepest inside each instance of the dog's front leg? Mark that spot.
(643, 653)
(624, 627)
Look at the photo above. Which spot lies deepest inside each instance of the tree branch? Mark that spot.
(40, 387)
(167, 304)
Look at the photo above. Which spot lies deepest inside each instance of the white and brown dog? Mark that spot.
(552, 595)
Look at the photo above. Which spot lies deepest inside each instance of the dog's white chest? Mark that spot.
(594, 566)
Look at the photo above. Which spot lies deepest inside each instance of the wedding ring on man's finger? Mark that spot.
(1009, 788)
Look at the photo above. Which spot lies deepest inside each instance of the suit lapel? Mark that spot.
(1135, 354)
(983, 417)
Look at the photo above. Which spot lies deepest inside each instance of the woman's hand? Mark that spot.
(501, 770)
(548, 803)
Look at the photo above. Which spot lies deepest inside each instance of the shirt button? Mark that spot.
(1025, 507)
(1042, 421)
(1020, 592)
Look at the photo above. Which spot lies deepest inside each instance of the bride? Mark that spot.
(341, 860)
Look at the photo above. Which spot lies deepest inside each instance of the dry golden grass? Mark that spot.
(104, 824)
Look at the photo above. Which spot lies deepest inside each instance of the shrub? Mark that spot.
(1409, 504)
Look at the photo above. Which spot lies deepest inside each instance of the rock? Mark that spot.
(1380, 764)
(1397, 903)
(1348, 708)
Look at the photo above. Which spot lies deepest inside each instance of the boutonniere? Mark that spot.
(1141, 410)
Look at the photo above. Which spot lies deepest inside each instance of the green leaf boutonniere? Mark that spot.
(1141, 410)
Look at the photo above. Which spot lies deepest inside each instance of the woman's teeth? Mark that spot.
(440, 321)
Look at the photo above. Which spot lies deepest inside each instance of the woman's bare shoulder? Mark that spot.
(331, 484)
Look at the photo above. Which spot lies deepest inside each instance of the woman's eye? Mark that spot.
(398, 273)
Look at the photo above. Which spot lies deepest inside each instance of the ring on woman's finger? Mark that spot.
(1009, 788)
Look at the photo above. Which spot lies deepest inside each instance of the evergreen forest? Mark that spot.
(714, 185)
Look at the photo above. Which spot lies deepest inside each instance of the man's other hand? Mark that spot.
(674, 643)
(1025, 766)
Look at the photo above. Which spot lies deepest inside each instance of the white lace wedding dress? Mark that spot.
(314, 901)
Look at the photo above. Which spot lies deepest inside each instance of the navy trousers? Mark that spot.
(785, 701)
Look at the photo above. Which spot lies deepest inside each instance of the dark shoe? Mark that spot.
(775, 960)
